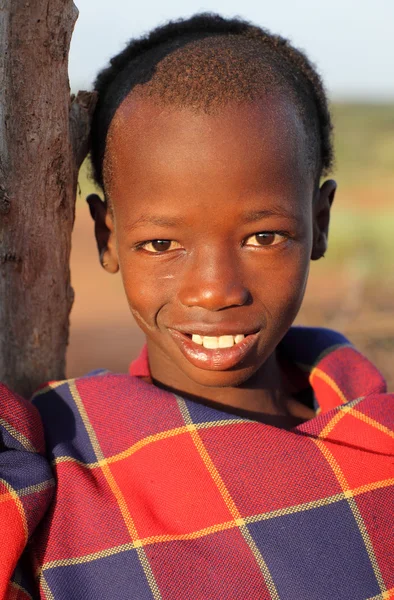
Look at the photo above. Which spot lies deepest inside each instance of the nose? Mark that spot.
(214, 282)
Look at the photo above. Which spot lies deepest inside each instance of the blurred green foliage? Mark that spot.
(364, 144)
(362, 226)
(362, 240)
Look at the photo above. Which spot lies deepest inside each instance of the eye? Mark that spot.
(265, 238)
(160, 246)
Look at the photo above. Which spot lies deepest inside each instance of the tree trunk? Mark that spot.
(41, 149)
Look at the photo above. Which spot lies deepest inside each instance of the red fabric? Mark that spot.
(140, 366)
(26, 482)
(162, 497)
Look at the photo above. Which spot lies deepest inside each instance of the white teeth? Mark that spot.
(223, 341)
(210, 342)
(226, 341)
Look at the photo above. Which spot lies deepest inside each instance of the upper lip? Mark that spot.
(215, 330)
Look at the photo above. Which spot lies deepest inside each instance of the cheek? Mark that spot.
(147, 291)
(282, 284)
(294, 284)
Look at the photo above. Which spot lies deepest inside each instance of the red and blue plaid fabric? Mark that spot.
(161, 497)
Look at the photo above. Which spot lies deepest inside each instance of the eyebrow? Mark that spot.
(249, 217)
(159, 221)
(257, 215)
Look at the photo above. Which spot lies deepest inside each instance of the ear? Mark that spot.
(104, 232)
(321, 218)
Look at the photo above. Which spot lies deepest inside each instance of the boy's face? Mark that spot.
(213, 225)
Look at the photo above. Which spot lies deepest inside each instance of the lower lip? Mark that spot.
(218, 359)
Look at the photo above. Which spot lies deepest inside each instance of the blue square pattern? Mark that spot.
(119, 577)
(24, 469)
(9, 441)
(316, 554)
(65, 432)
(205, 414)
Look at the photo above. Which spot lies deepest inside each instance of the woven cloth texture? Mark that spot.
(111, 488)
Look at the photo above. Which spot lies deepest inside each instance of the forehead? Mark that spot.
(151, 147)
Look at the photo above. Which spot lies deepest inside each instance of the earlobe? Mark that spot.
(108, 262)
(321, 218)
(319, 247)
(103, 229)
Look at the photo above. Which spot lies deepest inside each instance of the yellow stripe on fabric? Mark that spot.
(115, 488)
(354, 412)
(86, 558)
(215, 528)
(316, 372)
(70, 459)
(344, 410)
(227, 498)
(290, 510)
(66, 562)
(162, 435)
(385, 596)
(22, 439)
(150, 439)
(194, 535)
(14, 496)
(359, 415)
(370, 487)
(208, 461)
(6, 497)
(53, 385)
(39, 487)
(45, 587)
(349, 494)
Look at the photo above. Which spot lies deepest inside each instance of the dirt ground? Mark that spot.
(103, 333)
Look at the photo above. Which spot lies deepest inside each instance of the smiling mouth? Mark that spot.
(215, 342)
(214, 353)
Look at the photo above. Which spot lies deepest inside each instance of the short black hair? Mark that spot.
(289, 69)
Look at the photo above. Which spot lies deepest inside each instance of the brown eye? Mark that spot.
(161, 245)
(156, 246)
(265, 238)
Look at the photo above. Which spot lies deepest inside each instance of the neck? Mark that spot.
(266, 396)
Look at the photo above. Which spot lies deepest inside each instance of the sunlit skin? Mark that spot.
(206, 185)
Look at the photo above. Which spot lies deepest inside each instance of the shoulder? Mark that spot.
(99, 388)
(26, 481)
(20, 423)
(337, 371)
(83, 416)
(309, 344)
(318, 349)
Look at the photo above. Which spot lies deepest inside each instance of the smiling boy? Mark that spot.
(234, 218)
(241, 458)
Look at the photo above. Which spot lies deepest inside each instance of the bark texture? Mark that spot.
(43, 140)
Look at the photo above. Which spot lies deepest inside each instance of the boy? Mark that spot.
(241, 458)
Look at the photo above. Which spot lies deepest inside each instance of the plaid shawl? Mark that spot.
(158, 496)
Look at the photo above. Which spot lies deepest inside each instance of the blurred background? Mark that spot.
(352, 288)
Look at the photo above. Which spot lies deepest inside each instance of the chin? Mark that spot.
(222, 379)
